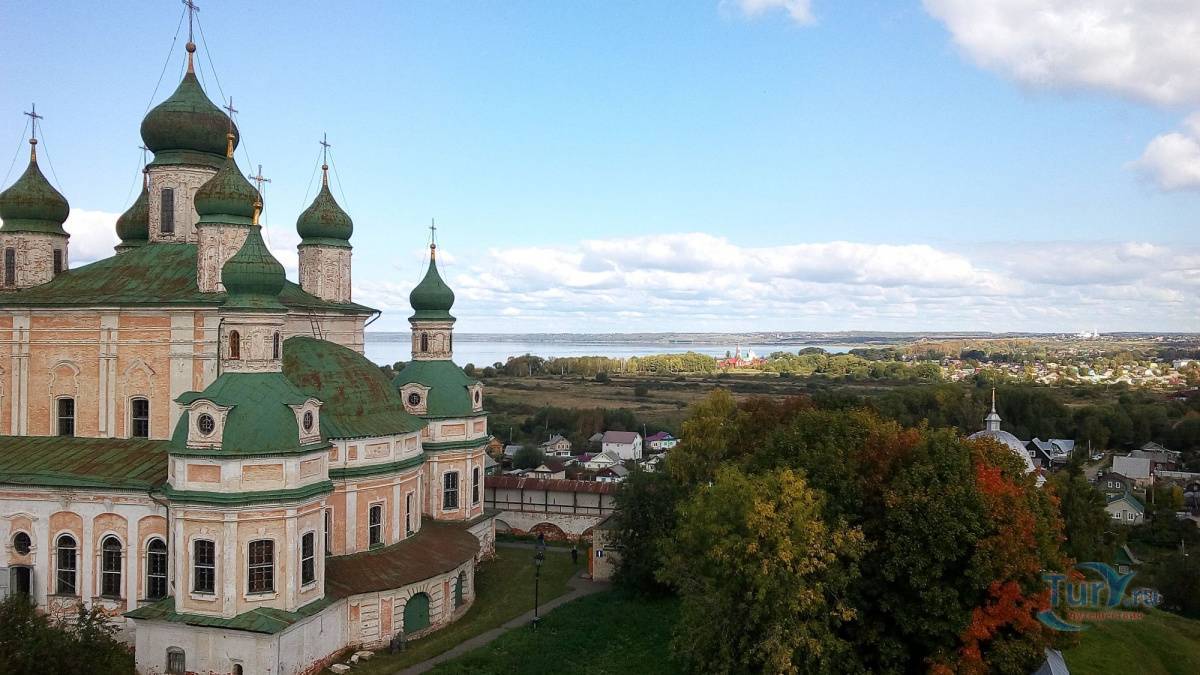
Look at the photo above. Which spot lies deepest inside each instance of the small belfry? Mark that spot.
(226, 211)
(133, 226)
(431, 300)
(252, 318)
(324, 249)
(32, 237)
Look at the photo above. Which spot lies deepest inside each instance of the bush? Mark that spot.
(641, 391)
(602, 377)
(31, 642)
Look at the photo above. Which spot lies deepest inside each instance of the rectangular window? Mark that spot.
(167, 211)
(450, 490)
(66, 417)
(10, 267)
(261, 569)
(308, 555)
(204, 566)
(139, 418)
(408, 514)
(475, 485)
(328, 532)
(176, 662)
(58, 265)
(375, 524)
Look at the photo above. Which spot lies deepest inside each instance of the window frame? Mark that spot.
(409, 498)
(135, 419)
(28, 546)
(264, 568)
(424, 343)
(210, 567)
(234, 350)
(375, 524)
(166, 211)
(10, 267)
(450, 492)
(179, 667)
(308, 561)
(153, 578)
(63, 572)
(112, 567)
(276, 347)
(475, 481)
(328, 531)
(59, 418)
(58, 262)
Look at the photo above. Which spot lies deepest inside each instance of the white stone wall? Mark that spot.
(325, 271)
(34, 257)
(217, 244)
(343, 329)
(256, 335)
(185, 181)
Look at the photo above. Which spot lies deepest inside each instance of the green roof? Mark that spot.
(227, 197)
(358, 399)
(32, 204)
(448, 395)
(261, 421)
(133, 226)
(1128, 497)
(187, 128)
(324, 222)
(253, 278)
(432, 298)
(260, 620)
(67, 461)
(154, 275)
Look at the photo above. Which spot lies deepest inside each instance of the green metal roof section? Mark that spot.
(150, 276)
(260, 422)
(260, 620)
(187, 128)
(448, 394)
(324, 221)
(32, 204)
(136, 464)
(133, 226)
(432, 298)
(253, 278)
(357, 398)
(227, 197)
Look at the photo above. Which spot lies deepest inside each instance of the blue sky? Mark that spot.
(724, 165)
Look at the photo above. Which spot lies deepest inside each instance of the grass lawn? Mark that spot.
(1160, 643)
(602, 634)
(504, 589)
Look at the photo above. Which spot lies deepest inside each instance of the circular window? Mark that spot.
(205, 423)
(308, 420)
(414, 399)
(21, 543)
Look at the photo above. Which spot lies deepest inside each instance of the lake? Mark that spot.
(392, 347)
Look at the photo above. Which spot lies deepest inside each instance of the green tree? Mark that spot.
(1084, 520)
(33, 642)
(763, 579)
(528, 457)
(1178, 579)
(643, 520)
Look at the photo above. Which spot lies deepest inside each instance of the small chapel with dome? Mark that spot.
(197, 445)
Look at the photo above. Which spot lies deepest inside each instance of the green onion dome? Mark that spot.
(133, 227)
(432, 298)
(324, 222)
(32, 204)
(253, 278)
(187, 128)
(227, 197)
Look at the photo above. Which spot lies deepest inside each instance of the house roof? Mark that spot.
(616, 470)
(1134, 467)
(1133, 501)
(596, 437)
(149, 276)
(436, 549)
(552, 465)
(1125, 556)
(623, 437)
(67, 461)
(549, 484)
(358, 400)
(553, 439)
(660, 436)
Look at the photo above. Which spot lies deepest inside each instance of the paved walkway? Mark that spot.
(579, 588)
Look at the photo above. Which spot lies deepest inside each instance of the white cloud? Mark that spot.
(1141, 49)
(696, 281)
(1172, 160)
(93, 235)
(799, 11)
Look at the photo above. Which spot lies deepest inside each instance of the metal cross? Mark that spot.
(34, 116)
(325, 148)
(259, 179)
(432, 231)
(192, 8)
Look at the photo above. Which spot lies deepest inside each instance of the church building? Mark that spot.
(197, 445)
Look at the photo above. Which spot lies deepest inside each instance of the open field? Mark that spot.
(1159, 644)
(504, 588)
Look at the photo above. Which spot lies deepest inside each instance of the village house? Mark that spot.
(1052, 453)
(1160, 457)
(549, 469)
(557, 446)
(613, 474)
(1134, 468)
(623, 444)
(1125, 509)
(599, 461)
(1113, 484)
(661, 442)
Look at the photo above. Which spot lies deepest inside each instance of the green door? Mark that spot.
(416, 613)
(458, 589)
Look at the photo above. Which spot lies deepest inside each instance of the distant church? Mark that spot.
(197, 445)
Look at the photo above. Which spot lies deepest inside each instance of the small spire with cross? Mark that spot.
(192, 8)
(229, 134)
(33, 119)
(145, 168)
(432, 238)
(325, 159)
(259, 179)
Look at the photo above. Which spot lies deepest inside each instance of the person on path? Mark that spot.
(575, 554)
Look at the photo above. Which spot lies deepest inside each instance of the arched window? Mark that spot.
(235, 345)
(139, 417)
(65, 407)
(308, 558)
(110, 567)
(475, 485)
(458, 589)
(450, 490)
(176, 661)
(275, 347)
(261, 566)
(21, 543)
(424, 342)
(166, 214)
(375, 524)
(64, 580)
(156, 569)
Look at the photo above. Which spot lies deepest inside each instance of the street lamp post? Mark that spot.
(538, 559)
